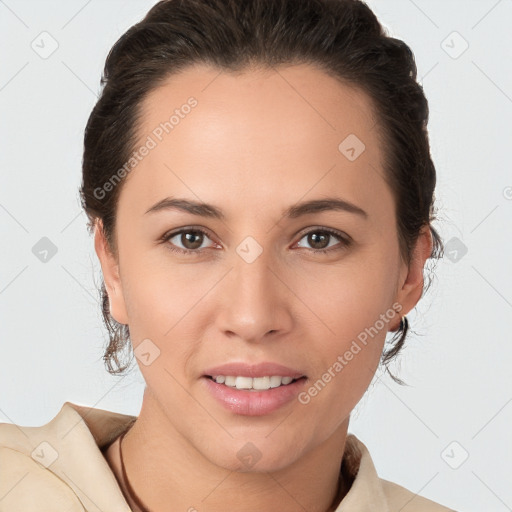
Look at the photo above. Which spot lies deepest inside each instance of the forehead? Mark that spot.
(261, 134)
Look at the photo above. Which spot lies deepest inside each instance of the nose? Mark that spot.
(255, 301)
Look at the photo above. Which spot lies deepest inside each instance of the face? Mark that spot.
(258, 278)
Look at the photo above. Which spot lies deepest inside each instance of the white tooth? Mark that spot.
(261, 383)
(243, 382)
(257, 383)
(275, 381)
(230, 381)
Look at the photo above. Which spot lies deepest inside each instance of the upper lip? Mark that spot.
(253, 370)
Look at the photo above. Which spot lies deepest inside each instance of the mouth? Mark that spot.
(263, 383)
(254, 396)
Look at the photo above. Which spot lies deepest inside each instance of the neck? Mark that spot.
(163, 468)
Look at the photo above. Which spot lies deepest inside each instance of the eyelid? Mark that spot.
(333, 231)
(187, 229)
(344, 239)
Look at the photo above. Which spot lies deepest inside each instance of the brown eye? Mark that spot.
(320, 240)
(186, 241)
(191, 239)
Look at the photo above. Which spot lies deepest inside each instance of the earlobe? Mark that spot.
(412, 288)
(111, 276)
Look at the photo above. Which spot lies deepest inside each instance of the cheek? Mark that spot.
(162, 305)
(344, 362)
(155, 290)
(348, 298)
(355, 306)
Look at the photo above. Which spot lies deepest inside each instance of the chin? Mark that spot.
(258, 456)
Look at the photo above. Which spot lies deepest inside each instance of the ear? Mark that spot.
(110, 270)
(410, 286)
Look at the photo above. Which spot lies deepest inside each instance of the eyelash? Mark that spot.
(346, 241)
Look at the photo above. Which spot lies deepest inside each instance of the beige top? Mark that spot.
(61, 467)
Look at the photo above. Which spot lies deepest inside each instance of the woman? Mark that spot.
(258, 178)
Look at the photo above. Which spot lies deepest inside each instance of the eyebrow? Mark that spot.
(304, 208)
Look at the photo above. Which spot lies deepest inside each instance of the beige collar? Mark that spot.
(76, 435)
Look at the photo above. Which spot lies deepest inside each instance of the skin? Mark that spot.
(257, 143)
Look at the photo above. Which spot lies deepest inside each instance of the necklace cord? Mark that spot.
(131, 492)
(339, 495)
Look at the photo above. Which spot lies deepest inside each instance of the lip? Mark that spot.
(253, 370)
(253, 403)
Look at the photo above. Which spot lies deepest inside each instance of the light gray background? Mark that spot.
(458, 403)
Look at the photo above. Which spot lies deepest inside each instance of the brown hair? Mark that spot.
(343, 37)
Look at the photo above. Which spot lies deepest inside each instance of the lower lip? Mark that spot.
(253, 403)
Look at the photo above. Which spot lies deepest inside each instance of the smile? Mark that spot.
(253, 383)
(242, 396)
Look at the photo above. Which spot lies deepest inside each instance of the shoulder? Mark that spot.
(401, 499)
(25, 480)
(25, 485)
(60, 464)
(369, 492)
